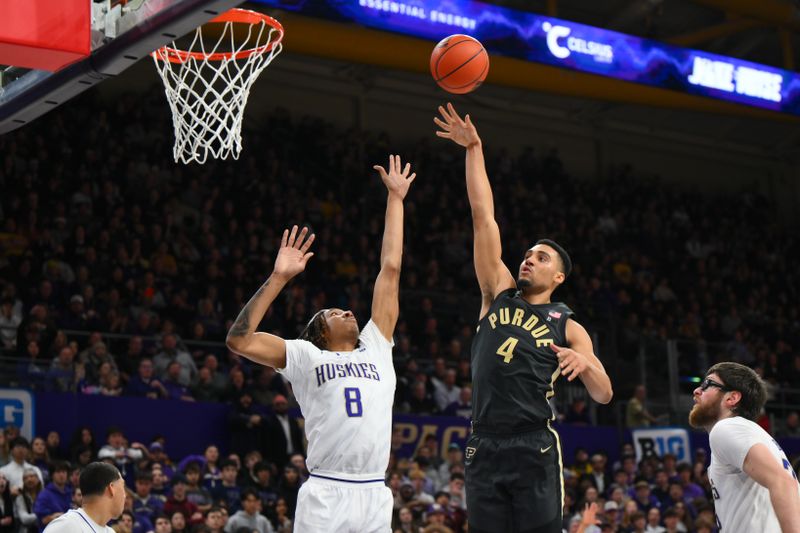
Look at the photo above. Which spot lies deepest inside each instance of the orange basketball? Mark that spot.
(459, 64)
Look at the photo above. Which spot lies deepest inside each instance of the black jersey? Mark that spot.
(513, 364)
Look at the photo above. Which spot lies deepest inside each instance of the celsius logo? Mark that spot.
(601, 52)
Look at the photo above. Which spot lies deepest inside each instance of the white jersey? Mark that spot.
(742, 505)
(76, 521)
(346, 399)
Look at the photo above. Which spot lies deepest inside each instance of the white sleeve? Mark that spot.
(730, 442)
(298, 359)
(38, 472)
(56, 527)
(24, 516)
(371, 336)
(135, 453)
(106, 452)
(60, 526)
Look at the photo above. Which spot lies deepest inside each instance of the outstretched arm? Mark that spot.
(265, 348)
(580, 361)
(493, 275)
(385, 298)
(760, 464)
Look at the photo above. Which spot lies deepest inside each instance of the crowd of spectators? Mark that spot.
(210, 492)
(101, 231)
(120, 271)
(200, 493)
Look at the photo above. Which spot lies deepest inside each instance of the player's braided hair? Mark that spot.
(316, 330)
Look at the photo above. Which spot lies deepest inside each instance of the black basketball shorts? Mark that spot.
(514, 483)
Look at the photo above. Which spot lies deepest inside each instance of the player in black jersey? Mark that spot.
(523, 343)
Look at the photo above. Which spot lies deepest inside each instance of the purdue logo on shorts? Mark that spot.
(470, 452)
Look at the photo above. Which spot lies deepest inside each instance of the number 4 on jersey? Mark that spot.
(506, 350)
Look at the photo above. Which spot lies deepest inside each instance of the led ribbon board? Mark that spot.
(570, 45)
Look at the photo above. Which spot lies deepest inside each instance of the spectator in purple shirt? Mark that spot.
(175, 389)
(691, 490)
(144, 384)
(227, 493)
(161, 461)
(56, 498)
(61, 376)
(144, 502)
(644, 498)
(462, 407)
(195, 491)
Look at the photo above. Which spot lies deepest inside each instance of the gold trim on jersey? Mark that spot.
(549, 394)
(560, 464)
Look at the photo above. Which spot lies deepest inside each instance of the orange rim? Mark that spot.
(237, 16)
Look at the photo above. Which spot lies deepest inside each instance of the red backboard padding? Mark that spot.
(44, 34)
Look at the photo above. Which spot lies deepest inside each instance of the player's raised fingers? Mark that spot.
(441, 123)
(293, 236)
(445, 114)
(381, 170)
(306, 245)
(444, 134)
(301, 237)
(454, 114)
(468, 121)
(406, 169)
(285, 238)
(412, 177)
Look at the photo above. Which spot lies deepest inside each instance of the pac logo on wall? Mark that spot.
(17, 409)
(649, 442)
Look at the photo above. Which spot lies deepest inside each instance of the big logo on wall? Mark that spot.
(17, 409)
(660, 441)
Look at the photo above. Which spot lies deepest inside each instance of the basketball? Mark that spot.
(459, 64)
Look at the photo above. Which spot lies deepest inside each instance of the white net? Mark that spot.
(207, 87)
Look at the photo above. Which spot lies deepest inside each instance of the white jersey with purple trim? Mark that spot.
(741, 504)
(346, 399)
(76, 521)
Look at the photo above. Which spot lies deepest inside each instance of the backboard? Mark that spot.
(51, 51)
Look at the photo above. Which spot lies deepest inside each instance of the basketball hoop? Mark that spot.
(207, 86)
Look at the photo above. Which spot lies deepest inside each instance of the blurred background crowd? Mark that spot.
(121, 272)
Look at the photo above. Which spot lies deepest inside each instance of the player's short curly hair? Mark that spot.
(316, 331)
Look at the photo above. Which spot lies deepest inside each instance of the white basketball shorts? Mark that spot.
(327, 505)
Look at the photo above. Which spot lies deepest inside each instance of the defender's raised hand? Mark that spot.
(293, 254)
(397, 181)
(461, 132)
